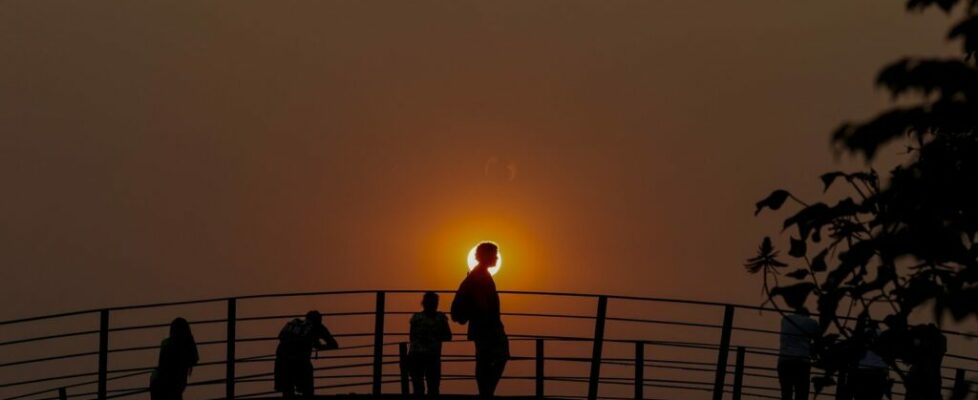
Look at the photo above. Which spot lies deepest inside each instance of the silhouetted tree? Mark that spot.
(901, 242)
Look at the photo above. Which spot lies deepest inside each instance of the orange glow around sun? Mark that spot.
(473, 262)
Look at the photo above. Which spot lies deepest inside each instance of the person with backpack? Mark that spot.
(429, 329)
(293, 364)
(178, 355)
(477, 303)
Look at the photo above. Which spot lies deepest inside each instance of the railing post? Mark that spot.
(402, 356)
(639, 370)
(103, 353)
(539, 369)
(378, 344)
(592, 388)
(739, 373)
(62, 394)
(721, 371)
(230, 356)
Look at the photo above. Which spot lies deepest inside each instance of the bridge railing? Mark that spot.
(565, 345)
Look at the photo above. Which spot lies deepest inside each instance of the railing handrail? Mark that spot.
(372, 291)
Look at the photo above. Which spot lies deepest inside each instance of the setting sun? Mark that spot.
(473, 261)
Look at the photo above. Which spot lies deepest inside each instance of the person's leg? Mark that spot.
(433, 373)
(497, 374)
(416, 370)
(784, 380)
(860, 384)
(878, 385)
(283, 378)
(500, 355)
(483, 369)
(802, 380)
(305, 379)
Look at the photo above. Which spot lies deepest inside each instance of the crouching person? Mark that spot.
(428, 329)
(293, 364)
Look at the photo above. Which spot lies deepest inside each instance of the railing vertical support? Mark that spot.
(539, 369)
(378, 343)
(721, 371)
(639, 370)
(592, 388)
(739, 373)
(402, 356)
(103, 353)
(231, 337)
(62, 394)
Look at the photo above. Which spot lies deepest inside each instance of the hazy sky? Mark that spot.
(169, 150)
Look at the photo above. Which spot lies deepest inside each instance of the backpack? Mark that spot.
(461, 308)
(294, 338)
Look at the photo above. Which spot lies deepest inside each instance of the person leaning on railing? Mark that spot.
(293, 366)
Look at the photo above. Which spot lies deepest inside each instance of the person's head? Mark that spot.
(430, 302)
(314, 317)
(180, 329)
(487, 253)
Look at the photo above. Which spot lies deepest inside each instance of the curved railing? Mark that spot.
(565, 345)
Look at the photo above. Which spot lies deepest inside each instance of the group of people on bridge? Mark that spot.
(922, 347)
(476, 303)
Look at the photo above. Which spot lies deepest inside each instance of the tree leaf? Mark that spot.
(794, 295)
(800, 273)
(766, 258)
(773, 201)
(830, 177)
(798, 248)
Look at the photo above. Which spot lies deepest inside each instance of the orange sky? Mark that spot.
(155, 151)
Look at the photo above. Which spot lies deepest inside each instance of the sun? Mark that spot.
(492, 270)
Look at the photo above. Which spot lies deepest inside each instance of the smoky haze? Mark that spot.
(155, 151)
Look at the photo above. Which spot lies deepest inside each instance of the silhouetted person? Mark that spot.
(178, 355)
(794, 359)
(477, 303)
(428, 329)
(293, 364)
(926, 355)
(869, 379)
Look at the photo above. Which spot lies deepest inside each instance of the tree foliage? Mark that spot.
(900, 242)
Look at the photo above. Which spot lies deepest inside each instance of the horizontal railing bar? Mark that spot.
(49, 358)
(49, 337)
(72, 386)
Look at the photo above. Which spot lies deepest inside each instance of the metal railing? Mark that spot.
(664, 357)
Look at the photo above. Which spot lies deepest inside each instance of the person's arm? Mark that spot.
(415, 328)
(444, 331)
(328, 338)
(194, 358)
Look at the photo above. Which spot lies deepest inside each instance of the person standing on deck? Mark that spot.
(794, 359)
(477, 303)
(429, 329)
